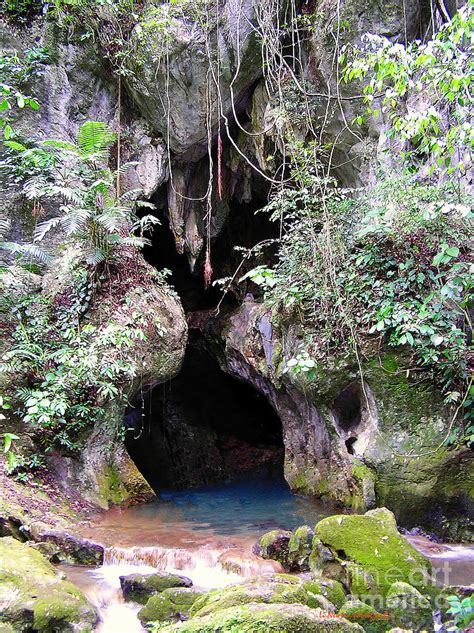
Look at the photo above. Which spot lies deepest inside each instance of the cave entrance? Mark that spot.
(201, 427)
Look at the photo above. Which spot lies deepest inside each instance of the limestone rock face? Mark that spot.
(103, 471)
(361, 443)
(174, 99)
(34, 596)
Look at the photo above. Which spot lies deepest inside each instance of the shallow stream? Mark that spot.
(207, 534)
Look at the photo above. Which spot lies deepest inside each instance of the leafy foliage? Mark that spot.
(75, 179)
(70, 371)
(397, 271)
(437, 74)
(462, 610)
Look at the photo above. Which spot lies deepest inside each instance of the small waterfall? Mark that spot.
(162, 558)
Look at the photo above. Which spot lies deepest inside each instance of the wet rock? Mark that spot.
(291, 618)
(371, 620)
(408, 608)
(299, 548)
(317, 601)
(35, 597)
(330, 589)
(11, 526)
(320, 554)
(61, 547)
(274, 545)
(370, 554)
(170, 604)
(139, 587)
(268, 588)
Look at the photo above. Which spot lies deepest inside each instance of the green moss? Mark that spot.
(370, 619)
(37, 595)
(377, 554)
(57, 613)
(269, 588)
(256, 618)
(299, 548)
(408, 608)
(171, 604)
(139, 587)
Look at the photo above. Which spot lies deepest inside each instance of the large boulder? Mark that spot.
(34, 596)
(290, 618)
(267, 588)
(369, 554)
(139, 587)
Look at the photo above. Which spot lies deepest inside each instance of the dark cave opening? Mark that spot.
(201, 427)
(347, 408)
(244, 227)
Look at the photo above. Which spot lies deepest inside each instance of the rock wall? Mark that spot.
(359, 435)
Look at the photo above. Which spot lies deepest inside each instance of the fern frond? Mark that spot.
(30, 250)
(136, 242)
(94, 137)
(45, 227)
(95, 256)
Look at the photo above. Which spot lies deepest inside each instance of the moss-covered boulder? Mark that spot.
(287, 618)
(331, 589)
(139, 587)
(408, 608)
(371, 620)
(274, 545)
(370, 554)
(299, 548)
(171, 604)
(35, 597)
(268, 588)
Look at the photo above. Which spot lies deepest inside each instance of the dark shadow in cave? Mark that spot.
(243, 227)
(347, 407)
(202, 426)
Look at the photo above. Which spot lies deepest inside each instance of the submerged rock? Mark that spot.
(35, 597)
(268, 588)
(139, 587)
(170, 604)
(370, 554)
(290, 618)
